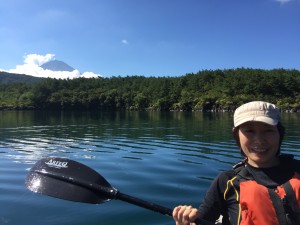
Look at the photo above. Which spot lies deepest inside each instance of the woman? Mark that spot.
(264, 188)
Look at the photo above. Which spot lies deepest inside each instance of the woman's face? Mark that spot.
(260, 143)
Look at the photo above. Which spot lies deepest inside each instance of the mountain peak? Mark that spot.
(56, 65)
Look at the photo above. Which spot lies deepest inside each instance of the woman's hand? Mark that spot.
(185, 215)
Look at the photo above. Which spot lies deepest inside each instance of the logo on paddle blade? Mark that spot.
(57, 164)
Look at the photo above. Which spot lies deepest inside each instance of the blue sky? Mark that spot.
(150, 37)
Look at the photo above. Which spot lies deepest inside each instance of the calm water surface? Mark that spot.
(165, 158)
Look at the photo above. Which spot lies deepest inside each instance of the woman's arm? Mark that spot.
(212, 206)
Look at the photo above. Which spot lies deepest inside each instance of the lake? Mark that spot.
(168, 158)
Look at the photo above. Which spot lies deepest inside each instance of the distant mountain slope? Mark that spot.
(7, 78)
(56, 65)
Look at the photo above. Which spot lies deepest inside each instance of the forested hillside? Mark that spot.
(8, 78)
(205, 90)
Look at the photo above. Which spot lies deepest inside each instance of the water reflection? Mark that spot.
(167, 157)
(35, 134)
(38, 134)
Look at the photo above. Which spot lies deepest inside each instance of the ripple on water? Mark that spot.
(167, 163)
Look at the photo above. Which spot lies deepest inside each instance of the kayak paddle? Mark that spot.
(70, 180)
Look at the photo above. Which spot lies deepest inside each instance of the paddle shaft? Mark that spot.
(147, 205)
(154, 207)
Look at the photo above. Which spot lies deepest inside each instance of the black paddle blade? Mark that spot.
(70, 180)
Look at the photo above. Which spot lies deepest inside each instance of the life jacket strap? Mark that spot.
(279, 208)
(287, 210)
(291, 206)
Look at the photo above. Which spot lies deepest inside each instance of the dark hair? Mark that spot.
(280, 128)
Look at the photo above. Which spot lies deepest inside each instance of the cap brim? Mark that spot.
(262, 119)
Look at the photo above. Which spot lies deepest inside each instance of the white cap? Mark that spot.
(257, 111)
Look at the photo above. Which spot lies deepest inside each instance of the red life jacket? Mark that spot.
(259, 205)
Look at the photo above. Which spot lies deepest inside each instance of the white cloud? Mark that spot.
(89, 75)
(125, 42)
(32, 63)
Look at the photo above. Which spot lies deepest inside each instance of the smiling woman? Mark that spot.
(260, 143)
(258, 132)
(264, 178)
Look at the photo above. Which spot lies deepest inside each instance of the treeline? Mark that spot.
(205, 90)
